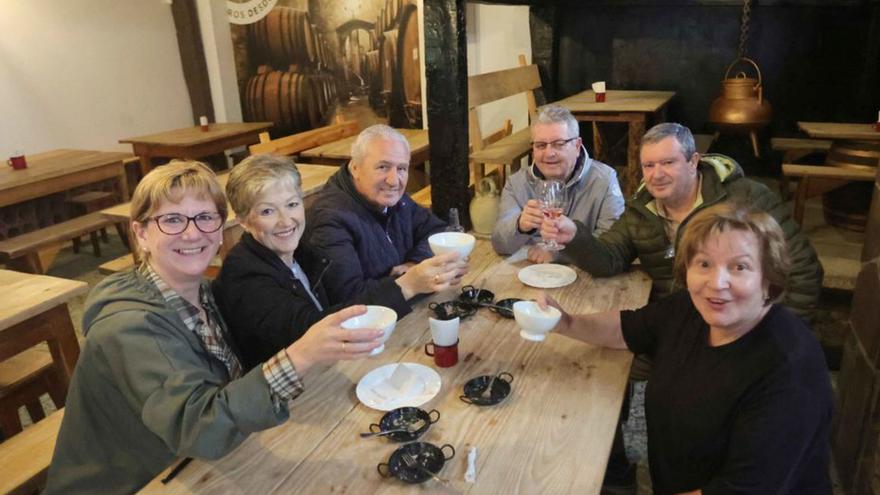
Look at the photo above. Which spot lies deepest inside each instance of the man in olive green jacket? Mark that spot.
(677, 183)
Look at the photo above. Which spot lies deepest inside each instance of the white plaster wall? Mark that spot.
(85, 73)
(496, 36)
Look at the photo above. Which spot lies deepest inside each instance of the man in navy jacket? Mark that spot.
(372, 231)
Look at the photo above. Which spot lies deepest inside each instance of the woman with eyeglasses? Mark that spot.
(590, 189)
(159, 376)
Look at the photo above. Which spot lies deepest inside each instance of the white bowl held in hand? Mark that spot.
(378, 317)
(459, 242)
(534, 321)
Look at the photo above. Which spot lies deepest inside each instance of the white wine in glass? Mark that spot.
(551, 197)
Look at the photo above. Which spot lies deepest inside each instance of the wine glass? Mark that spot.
(551, 198)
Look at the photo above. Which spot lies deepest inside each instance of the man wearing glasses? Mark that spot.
(592, 193)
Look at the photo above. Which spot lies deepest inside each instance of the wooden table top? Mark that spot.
(836, 130)
(29, 295)
(341, 150)
(192, 136)
(617, 101)
(552, 435)
(57, 163)
(313, 179)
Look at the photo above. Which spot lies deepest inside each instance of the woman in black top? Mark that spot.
(740, 399)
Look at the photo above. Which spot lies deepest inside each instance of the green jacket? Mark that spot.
(144, 391)
(639, 233)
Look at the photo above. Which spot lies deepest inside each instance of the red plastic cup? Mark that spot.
(17, 162)
(444, 356)
(600, 97)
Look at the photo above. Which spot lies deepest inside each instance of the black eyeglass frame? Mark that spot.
(551, 144)
(193, 219)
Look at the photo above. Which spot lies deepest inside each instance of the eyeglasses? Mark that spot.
(176, 223)
(557, 145)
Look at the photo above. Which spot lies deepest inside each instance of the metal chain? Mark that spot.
(744, 27)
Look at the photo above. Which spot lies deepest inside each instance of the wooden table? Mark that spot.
(339, 152)
(194, 143)
(61, 170)
(632, 107)
(34, 310)
(855, 151)
(313, 179)
(552, 435)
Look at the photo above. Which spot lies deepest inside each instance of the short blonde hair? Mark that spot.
(170, 183)
(255, 174)
(775, 262)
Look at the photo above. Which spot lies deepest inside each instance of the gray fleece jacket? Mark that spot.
(593, 198)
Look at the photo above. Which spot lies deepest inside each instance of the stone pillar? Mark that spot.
(857, 429)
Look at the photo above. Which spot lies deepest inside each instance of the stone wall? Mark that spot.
(856, 441)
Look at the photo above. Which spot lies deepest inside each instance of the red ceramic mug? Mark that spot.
(444, 356)
(17, 162)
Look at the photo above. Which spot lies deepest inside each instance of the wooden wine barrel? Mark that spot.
(284, 37)
(290, 100)
(847, 206)
(388, 59)
(391, 12)
(408, 57)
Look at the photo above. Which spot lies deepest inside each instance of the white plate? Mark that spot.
(374, 391)
(547, 275)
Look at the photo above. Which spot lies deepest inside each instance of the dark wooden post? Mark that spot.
(446, 74)
(192, 57)
(545, 47)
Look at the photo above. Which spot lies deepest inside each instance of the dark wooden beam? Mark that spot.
(192, 57)
(446, 74)
(545, 47)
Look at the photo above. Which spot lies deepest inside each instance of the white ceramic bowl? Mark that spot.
(459, 242)
(533, 321)
(378, 317)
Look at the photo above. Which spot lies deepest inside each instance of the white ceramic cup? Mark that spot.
(444, 332)
(378, 317)
(459, 242)
(533, 321)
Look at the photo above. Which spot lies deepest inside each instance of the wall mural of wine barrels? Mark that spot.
(307, 62)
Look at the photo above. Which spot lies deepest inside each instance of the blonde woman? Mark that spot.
(158, 376)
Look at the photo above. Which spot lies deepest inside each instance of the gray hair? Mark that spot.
(372, 133)
(250, 178)
(681, 133)
(557, 114)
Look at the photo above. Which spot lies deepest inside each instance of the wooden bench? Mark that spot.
(26, 457)
(793, 150)
(423, 196)
(23, 379)
(22, 252)
(296, 143)
(814, 180)
(493, 86)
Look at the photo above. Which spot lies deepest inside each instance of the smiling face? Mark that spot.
(669, 176)
(180, 259)
(381, 176)
(555, 163)
(277, 219)
(726, 282)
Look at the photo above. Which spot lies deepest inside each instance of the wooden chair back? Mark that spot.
(493, 86)
(297, 143)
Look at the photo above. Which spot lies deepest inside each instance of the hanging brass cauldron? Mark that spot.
(741, 108)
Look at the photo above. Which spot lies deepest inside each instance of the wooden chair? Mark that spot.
(423, 196)
(814, 180)
(297, 143)
(25, 457)
(493, 86)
